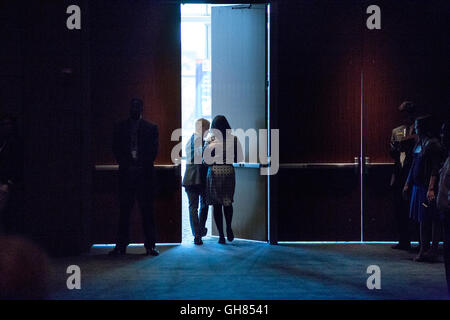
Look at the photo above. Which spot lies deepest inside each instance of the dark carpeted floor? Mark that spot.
(249, 270)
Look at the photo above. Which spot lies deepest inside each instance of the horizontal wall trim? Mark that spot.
(329, 165)
(115, 167)
(341, 242)
(99, 245)
(315, 165)
(247, 165)
(265, 242)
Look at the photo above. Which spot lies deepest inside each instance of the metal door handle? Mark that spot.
(366, 165)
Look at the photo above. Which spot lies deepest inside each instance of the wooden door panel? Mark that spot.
(316, 104)
(136, 52)
(403, 61)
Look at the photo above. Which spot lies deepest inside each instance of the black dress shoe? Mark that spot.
(205, 231)
(152, 252)
(117, 252)
(222, 240)
(198, 241)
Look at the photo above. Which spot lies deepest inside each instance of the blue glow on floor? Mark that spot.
(99, 245)
(256, 241)
(340, 242)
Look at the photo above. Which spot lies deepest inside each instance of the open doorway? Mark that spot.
(225, 71)
(196, 85)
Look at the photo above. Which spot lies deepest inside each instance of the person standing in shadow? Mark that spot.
(423, 178)
(222, 149)
(194, 181)
(443, 198)
(403, 139)
(135, 146)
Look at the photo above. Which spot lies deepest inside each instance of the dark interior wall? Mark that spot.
(135, 52)
(321, 51)
(318, 75)
(68, 88)
(167, 208)
(406, 60)
(49, 74)
(11, 72)
(325, 49)
(52, 105)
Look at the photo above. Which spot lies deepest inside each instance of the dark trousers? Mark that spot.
(446, 223)
(196, 217)
(136, 184)
(228, 212)
(401, 207)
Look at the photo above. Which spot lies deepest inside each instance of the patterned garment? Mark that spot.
(220, 185)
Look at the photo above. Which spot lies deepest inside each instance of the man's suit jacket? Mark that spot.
(400, 171)
(195, 174)
(147, 144)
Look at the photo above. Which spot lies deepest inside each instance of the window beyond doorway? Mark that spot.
(196, 84)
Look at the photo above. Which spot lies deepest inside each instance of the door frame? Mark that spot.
(270, 219)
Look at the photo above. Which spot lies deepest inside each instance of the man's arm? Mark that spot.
(194, 150)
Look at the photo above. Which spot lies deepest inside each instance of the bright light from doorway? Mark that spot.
(196, 84)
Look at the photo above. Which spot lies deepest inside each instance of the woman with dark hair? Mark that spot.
(423, 178)
(222, 149)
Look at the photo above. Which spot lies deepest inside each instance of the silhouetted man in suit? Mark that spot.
(135, 145)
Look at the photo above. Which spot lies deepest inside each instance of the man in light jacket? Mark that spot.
(194, 181)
